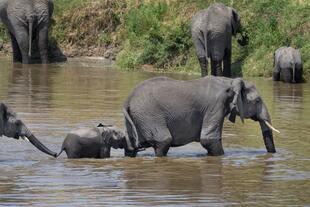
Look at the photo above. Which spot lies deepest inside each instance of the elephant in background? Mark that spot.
(27, 20)
(211, 30)
(93, 142)
(287, 65)
(162, 113)
(12, 127)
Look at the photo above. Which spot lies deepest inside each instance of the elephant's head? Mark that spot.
(236, 27)
(248, 104)
(12, 127)
(112, 137)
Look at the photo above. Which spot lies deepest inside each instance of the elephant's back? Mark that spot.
(286, 56)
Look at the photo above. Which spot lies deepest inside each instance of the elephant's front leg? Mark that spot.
(227, 63)
(216, 68)
(211, 137)
(105, 152)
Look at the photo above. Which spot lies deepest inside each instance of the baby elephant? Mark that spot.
(93, 142)
(287, 65)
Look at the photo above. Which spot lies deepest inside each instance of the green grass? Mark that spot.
(156, 32)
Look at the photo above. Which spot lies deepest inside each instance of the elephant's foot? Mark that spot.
(130, 153)
(161, 151)
(216, 68)
(213, 146)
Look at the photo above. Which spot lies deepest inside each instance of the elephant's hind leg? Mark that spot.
(216, 68)
(201, 52)
(42, 41)
(163, 142)
(17, 56)
(227, 63)
(22, 40)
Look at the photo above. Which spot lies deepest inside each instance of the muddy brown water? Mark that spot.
(55, 99)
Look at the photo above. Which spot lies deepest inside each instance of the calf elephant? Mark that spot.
(163, 113)
(287, 65)
(12, 127)
(211, 31)
(27, 20)
(93, 142)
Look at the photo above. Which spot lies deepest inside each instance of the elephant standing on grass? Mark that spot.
(93, 142)
(12, 127)
(27, 20)
(162, 113)
(211, 31)
(287, 65)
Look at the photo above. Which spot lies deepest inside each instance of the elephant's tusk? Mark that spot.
(25, 138)
(271, 127)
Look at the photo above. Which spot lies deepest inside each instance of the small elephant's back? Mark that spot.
(85, 132)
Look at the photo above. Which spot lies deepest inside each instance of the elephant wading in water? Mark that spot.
(211, 31)
(93, 142)
(163, 113)
(27, 20)
(12, 127)
(287, 65)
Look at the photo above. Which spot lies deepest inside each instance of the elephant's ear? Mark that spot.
(235, 21)
(236, 106)
(106, 136)
(3, 117)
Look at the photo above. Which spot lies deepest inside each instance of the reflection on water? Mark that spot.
(53, 100)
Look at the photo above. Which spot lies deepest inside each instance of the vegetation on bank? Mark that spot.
(156, 32)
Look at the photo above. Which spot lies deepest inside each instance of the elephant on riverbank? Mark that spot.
(93, 142)
(211, 30)
(287, 65)
(27, 20)
(12, 127)
(162, 113)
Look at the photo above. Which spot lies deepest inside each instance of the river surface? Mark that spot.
(55, 99)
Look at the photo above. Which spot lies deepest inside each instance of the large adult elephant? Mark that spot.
(163, 113)
(12, 127)
(27, 20)
(287, 65)
(211, 30)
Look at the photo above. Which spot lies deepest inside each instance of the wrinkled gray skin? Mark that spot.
(211, 30)
(93, 142)
(287, 65)
(27, 20)
(163, 113)
(12, 127)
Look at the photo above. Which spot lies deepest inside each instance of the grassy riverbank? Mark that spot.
(140, 33)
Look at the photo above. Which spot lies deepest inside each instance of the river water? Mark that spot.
(55, 99)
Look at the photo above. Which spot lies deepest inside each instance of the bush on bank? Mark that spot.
(156, 32)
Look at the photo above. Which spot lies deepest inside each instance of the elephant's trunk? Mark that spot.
(33, 140)
(266, 127)
(268, 137)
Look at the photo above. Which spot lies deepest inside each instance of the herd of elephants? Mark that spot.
(160, 112)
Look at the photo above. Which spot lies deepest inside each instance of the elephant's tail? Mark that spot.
(30, 36)
(131, 131)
